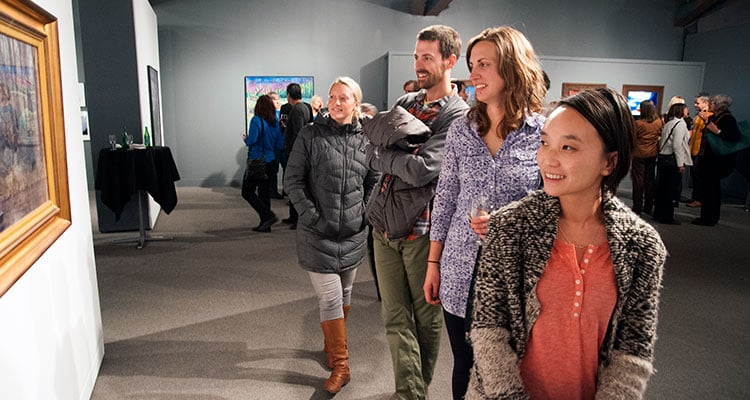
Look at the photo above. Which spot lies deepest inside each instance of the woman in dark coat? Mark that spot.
(328, 181)
(711, 167)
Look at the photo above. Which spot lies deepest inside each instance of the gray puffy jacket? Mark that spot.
(328, 182)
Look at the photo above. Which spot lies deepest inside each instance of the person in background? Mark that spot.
(672, 143)
(328, 181)
(401, 218)
(696, 137)
(643, 169)
(300, 114)
(411, 86)
(263, 139)
(316, 104)
(368, 110)
(675, 100)
(566, 296)
(273, 181)
(689, 122)
(711, 166)
(276, 103)
(461, 90)
(490, 156)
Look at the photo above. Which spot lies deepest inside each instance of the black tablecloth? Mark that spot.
(121, 173)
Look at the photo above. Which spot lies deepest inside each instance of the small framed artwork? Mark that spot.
(635, 94)
(34, 199)
(569, 88)
(154, 96)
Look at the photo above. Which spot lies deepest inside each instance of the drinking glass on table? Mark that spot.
(113, 142)
(130, 140)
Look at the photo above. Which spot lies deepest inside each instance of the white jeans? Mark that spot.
(334, 291)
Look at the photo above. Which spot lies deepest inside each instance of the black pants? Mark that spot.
(463, 358)
(257, 192)
(667, 184)
(697, 188)
(711, 207)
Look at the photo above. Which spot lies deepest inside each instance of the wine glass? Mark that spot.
(112, 142)
(129, 139)
(480, 205)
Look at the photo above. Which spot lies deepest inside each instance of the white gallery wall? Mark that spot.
(678, 77)
(208, 46)
(147, 54)
(51, 335)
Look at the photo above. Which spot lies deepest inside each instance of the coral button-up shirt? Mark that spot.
(577, 300)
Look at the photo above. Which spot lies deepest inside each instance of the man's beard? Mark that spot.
(432, 80)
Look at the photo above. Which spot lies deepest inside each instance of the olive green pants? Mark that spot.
(412, 326)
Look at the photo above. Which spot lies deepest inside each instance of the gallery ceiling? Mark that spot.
(415, 7)
(686, 11)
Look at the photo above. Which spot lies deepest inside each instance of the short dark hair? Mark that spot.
(410, 85)
(294, 91)
(448, 39)
(676, 111)
(609, 113)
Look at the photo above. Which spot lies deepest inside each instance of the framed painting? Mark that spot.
(569, 88)
(635, 94)
(34, 199)
(256, 86)
(154, 96)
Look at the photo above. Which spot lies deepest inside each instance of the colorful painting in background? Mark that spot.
(256, 86)
(635, 97)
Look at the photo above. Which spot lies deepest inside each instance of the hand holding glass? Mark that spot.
(480, 209)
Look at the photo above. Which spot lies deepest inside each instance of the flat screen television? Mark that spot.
(256, 86)
(635, 94)
(635, 98)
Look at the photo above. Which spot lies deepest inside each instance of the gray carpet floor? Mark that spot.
(222, 312)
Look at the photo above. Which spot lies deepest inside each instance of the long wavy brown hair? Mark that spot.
(519, 67)
(265, 109)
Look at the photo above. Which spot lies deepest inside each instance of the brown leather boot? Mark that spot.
(335, 332)
(327, 345)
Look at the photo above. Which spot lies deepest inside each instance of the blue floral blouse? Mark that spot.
(468, 172)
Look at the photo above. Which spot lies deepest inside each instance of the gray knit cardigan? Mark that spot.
(505, 305)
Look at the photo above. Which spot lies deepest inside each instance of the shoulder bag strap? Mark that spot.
(668, 136)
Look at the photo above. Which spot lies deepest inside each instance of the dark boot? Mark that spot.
(335, 333)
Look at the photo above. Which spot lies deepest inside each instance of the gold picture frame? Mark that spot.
(34, 197)
(570, 88)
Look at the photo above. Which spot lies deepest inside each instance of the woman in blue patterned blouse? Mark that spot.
(491, 154)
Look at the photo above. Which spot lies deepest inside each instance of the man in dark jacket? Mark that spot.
(299, 116)
(402, 241)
